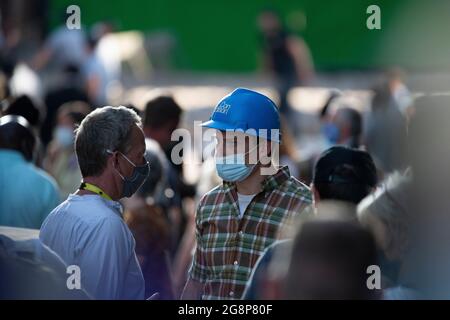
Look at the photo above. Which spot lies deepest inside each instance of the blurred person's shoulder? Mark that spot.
(43, 177)
(30, 278)
(37, 181)
(294, 187)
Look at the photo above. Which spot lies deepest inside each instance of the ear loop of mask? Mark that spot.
(110, 152)
(255, 147)
(235, 154)
(216, 143)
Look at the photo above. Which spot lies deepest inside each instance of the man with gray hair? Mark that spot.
(87, 230)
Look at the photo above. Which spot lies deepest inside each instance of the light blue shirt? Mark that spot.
(27, 193)
(88, 231)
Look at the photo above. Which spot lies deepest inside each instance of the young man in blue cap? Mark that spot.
(239, 219)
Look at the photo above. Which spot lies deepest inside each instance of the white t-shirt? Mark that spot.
(244, 200)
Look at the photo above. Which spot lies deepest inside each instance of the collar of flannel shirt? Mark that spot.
(270, 183)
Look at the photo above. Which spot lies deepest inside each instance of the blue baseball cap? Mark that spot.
(248, 111)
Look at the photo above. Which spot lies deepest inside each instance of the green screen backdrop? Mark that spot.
(221, 35)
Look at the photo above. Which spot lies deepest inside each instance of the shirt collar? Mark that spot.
(270, 183)
(114, 205)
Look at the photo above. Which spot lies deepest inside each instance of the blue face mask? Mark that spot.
(331, 132)
(136, 180)
(64, 136)
(233, 168)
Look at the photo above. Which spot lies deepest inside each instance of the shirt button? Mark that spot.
(235, 263)
(231, 293)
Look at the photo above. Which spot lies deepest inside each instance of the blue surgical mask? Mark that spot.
(233, 168)
(136, 180)
(331, 132)
(64, 136)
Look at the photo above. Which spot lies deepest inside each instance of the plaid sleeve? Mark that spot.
(198, 270)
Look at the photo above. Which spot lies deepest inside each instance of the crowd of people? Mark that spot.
(100, 185)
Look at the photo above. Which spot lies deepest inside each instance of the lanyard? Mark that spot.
(95, 189)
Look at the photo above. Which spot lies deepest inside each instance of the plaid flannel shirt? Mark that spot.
(228, 247)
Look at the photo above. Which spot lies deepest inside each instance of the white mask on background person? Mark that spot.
(64, 135)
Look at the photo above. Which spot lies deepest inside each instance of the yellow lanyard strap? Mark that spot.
(95, 189)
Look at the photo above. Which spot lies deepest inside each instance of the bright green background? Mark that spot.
(221, 35)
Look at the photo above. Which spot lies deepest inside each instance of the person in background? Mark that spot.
(344, 174)
(426, 265)
(68, 86)
(400, 92)
(63, 47)
(324, 112)
(327, 131)
(329, 260)
(94, 74)
(151, 230)
(31, 271)
(385, 130)
(28, 194)
(61, 160)
(4, 87)
(386, 214)
(108, 49)
(146, 216)
(288, 150)
(344, 127)
(31, 110)
(87, 229)
(285, 55)
(161, 118)
(26, 107)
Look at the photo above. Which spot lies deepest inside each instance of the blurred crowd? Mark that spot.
(375, 191)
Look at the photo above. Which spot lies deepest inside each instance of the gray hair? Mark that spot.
(389, 205)
(107, 128)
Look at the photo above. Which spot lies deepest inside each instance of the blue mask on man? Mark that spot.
(331, 132)
(64, 136)
(136, 180)
(233, 167)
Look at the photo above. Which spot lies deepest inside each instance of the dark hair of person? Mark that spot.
(161, 111)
